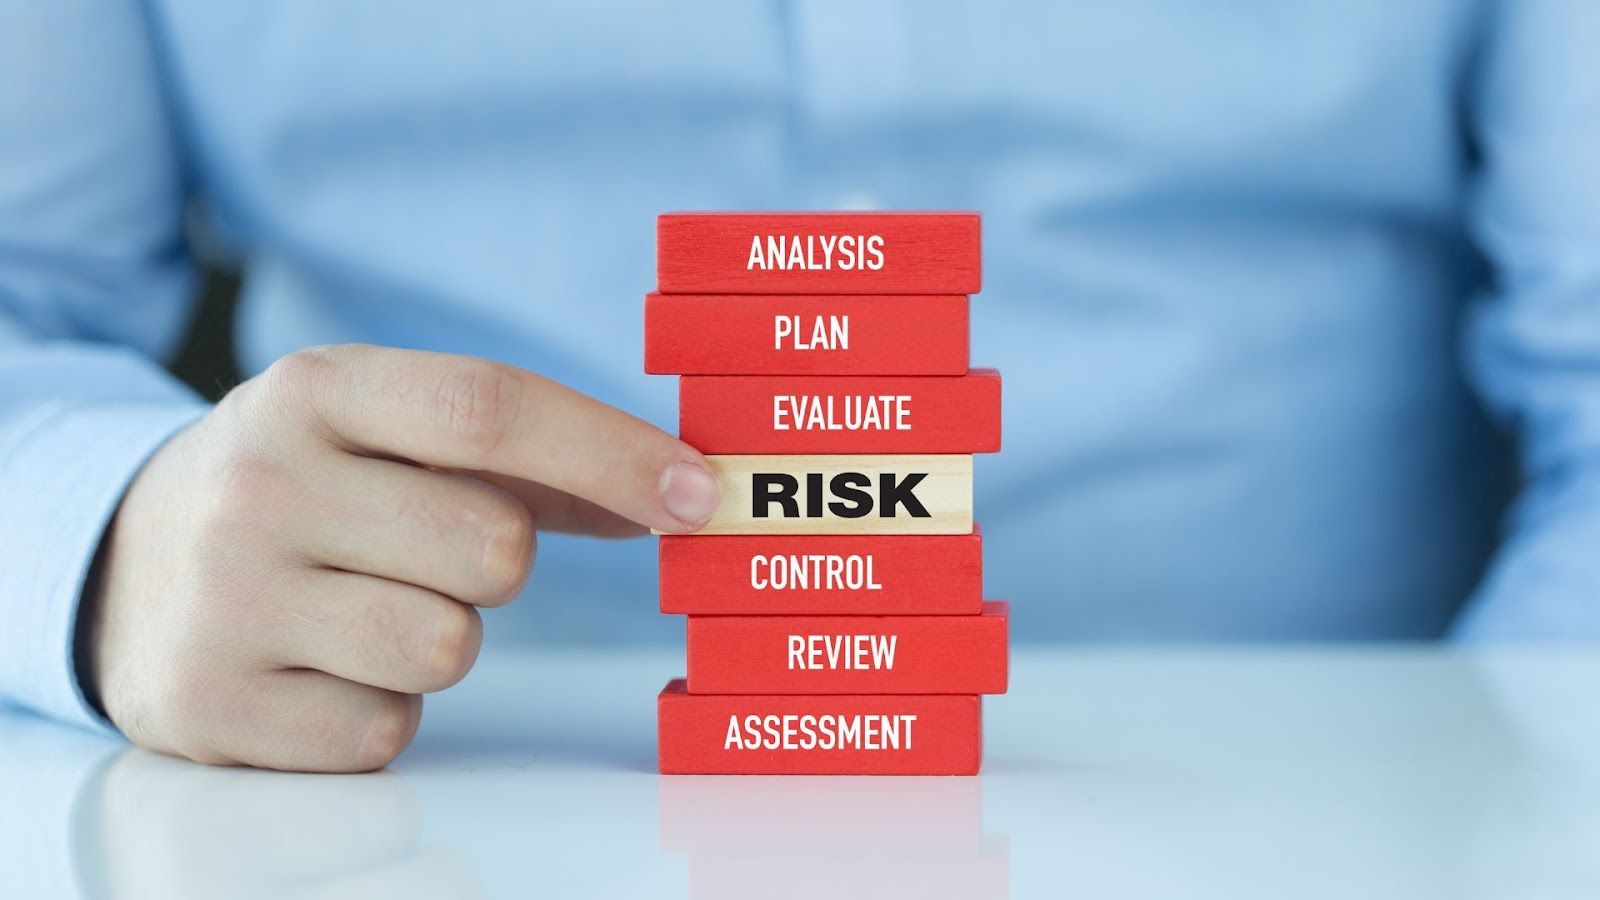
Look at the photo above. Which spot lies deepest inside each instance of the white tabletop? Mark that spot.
(1405, 773)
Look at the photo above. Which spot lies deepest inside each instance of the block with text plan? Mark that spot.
(746, 334)
(845, 734)
(819, 253)
(831, 494)
(822, 574)
(822, 414)
(849, 654)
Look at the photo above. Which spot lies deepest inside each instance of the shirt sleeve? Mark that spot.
(94, 284)
(1534, 344)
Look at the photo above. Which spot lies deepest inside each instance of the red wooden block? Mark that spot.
(853, 734)
(821, 574)
(819, 253)
(821, 414)
(849, 654)
(734, 334)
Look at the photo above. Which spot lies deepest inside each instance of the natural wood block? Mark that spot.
(819, 574)
(741, 334)
(905, 494)
(849, 654)
(821, 414)
(852, 734)
(819, 253)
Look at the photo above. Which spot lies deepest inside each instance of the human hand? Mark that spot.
(286, 576)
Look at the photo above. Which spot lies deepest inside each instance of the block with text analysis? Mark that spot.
(738, 334)
(849, 654)
(774, 414)
(850, 734)
(837, 494)
(819, 574)
(819, 253)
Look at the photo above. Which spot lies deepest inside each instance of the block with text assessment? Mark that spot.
(846, 734)
(820, 574)
(740, 334)
(822, 414)
(832, 494)
(849, 654)
(819, 253)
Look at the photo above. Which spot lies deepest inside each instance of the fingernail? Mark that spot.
(689, 493)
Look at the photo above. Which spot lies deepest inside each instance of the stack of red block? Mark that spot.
(835, 600)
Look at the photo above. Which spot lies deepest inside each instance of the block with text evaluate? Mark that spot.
(828, 494)
(734, 334)
(769, 414)
(843, 734)
(819, 253)
(849, 654)
(822, 574)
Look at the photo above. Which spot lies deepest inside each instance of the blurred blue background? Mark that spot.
(1232, 252)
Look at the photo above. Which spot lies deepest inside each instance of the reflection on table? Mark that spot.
(810, 837)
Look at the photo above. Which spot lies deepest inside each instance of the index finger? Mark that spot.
(463, 412)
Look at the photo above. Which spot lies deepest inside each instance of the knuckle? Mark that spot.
(478, 402)
(187, 698)
(283, 394)
(247, 498)
(452, 647)
(245, 482)
(507, 548)
(185, 693)
(224, 588)
(387, 732)
(302, 373)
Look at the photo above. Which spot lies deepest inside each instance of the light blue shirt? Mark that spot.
(1253, 270)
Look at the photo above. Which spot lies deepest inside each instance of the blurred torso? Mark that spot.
(1223, 257)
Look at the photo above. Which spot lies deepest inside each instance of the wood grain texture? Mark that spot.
(945, 737)
(921, 253)
(812, 574)
(849, 654)
(940, 484)
(767, 414)
(739, 334)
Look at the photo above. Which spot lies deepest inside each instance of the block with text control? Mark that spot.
(821, 574)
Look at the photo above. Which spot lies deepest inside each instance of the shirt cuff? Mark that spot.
(64, 478)
(1545, 582)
